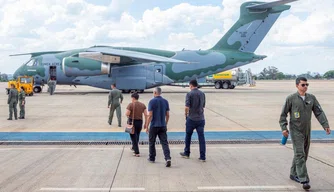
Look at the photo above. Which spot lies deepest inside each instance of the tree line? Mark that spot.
(272, 73)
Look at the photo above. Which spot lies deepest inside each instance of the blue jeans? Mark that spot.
(199, 126)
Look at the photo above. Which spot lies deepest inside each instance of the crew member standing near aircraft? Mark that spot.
(50, 89)
(158, 116)
(12, 102)
(114, 103)
(22, 102)
(300, 106)
(194, 113)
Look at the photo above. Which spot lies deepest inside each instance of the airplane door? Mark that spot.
(158, 75)
(53, 72)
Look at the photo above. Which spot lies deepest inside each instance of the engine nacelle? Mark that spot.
(77, 66)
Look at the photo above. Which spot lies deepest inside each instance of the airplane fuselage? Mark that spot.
(137, 76)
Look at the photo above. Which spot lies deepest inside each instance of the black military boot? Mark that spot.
(306, 185)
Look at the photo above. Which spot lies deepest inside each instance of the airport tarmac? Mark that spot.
(259, 167)
(84, 109)
(29, 163)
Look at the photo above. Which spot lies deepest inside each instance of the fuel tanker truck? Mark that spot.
(224, 80)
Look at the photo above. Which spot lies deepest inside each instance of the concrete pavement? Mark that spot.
(261, 167)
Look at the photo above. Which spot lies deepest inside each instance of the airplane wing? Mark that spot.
(136, 55)
(34, 54)
(269, 5)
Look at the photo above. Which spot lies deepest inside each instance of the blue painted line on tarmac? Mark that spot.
(122, 136)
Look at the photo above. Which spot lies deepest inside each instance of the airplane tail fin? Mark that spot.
(256, 19)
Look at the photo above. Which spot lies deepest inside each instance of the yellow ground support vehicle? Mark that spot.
(27, 82)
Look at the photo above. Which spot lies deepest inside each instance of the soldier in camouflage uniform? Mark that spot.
(300, 105)
(52, 85)
(12, 102)
(22, 102)
(114, 104)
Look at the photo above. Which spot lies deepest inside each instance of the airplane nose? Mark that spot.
(16, 74)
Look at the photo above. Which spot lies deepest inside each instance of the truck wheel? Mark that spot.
(226, 85)
(218, 85)
(37, 89)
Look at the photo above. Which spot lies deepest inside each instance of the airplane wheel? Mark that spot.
(218, 85)
(37, 89)
(140, 91)
(232, 86)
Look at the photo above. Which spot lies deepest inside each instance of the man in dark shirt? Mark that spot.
(158, 116)
(194, 112)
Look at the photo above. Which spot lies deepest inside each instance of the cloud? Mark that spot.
(305, 31)
(6, 47)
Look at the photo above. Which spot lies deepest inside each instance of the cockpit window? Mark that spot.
(25, 80)
(32, 62)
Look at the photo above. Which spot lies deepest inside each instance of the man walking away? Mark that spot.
(114, 103)
(158, 116)
(12, 102)
(194, 113)
(300, 106)
(22, 102)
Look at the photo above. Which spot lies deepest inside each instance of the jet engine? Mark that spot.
(89, 64)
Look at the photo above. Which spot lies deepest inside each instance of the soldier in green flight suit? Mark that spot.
(22, 102)
(12, 102)
(114, 103)
(300, 105)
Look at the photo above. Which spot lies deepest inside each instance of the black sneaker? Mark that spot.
(306, 186)
(168, 163)
(294, 178)
(184, 155)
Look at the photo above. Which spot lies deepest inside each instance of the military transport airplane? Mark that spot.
(141, 68)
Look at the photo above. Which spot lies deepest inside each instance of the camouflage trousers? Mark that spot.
(116, 107)
(12, 106)
(301, 147)
(22, 110)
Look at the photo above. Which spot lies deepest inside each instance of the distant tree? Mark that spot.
(3, 77)
(329, 74)
(269, 73)
(316, 75)
(280, 76)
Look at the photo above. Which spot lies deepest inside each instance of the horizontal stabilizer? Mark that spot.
(136, 55)
(269, 5)
(34, 54)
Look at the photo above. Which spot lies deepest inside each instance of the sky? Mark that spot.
(301, 40)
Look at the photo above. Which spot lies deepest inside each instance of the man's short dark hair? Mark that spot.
(300, 79)
(135, 95)
(193, 83)
(22, 88)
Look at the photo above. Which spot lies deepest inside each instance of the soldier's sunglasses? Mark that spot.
(303, 85)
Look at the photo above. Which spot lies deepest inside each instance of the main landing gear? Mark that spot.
(132, 91)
